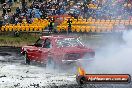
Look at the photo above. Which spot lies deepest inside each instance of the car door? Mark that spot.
(46, 49)
(30, 52)
(38, 49)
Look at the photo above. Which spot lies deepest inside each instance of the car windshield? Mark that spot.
(68, 42)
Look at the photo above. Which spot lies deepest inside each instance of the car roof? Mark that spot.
(57, 36)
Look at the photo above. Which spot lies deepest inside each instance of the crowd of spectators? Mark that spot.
(106, 9)
(38, 9)
(114, 9)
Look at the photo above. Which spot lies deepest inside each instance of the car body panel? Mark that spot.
(41, 54)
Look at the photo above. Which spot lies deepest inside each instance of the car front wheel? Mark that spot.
(27, 61)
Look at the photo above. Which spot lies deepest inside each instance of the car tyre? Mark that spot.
(27, 61)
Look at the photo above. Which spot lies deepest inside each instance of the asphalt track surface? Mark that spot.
(14, 73)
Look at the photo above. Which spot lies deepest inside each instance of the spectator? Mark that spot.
(23, 4)
(51, 25)
(6, 17)
(10, 2)
(69, 22)
(16, 20)
(18, 11)
(4, 8)
(12, 19)
(8, 10)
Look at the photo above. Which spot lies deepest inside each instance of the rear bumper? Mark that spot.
(78, 60)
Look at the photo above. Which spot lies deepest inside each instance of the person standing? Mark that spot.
(18, 11)
(6, 18)
(10, 2)
(69, 22)
(4, 8)
(51, 26)
(9, 10)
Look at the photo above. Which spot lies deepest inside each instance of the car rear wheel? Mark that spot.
(27, 61)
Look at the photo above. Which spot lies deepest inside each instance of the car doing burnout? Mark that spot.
(56, 49)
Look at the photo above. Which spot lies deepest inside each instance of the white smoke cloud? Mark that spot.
(114, 58)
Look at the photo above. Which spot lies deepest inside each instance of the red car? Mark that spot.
(56, 49)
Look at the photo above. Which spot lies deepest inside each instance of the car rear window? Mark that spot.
(68, 42)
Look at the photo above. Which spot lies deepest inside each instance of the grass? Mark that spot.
(8, 39)
(23, 39)
(93, 41)
(28, 39)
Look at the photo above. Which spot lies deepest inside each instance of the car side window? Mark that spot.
(47, 43)
(39, 43)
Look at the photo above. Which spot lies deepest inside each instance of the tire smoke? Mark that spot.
(113, 58)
